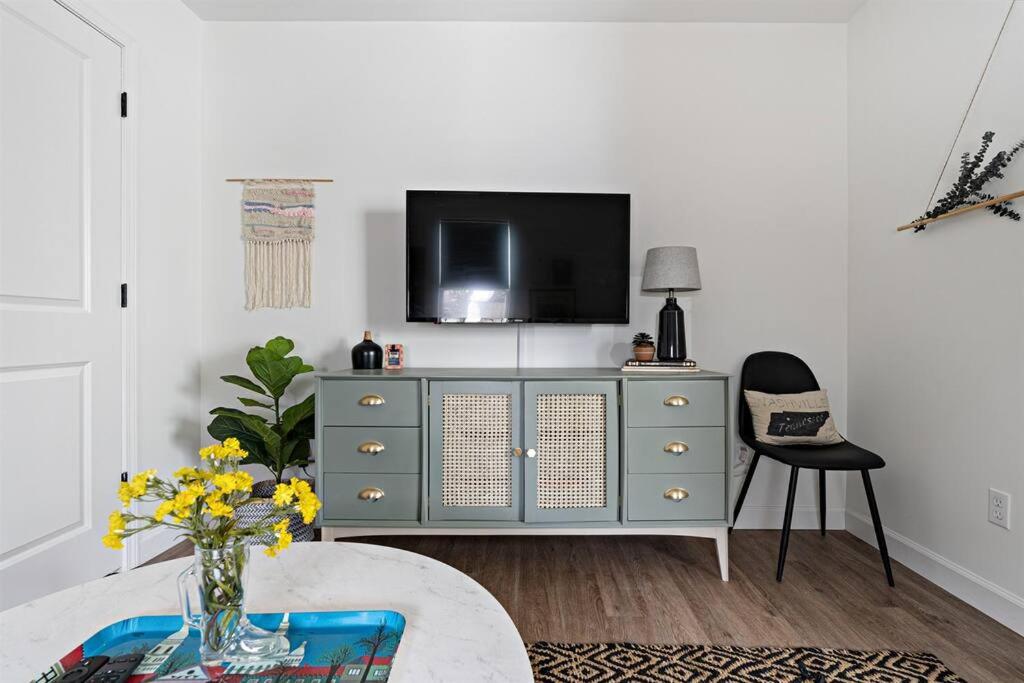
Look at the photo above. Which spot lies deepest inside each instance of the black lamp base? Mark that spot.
(671, 331)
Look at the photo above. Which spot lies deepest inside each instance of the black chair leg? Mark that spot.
(821, 499)
(877, 522)
(743, 489)
(787, 522)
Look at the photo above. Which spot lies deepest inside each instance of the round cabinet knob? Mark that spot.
(371, 400)
(676, 447)
(371, 447)
(531, 452)
(371, 495)
(677, 494)
(517, 451)
(677, 401)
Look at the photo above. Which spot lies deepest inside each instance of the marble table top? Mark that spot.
(455, 630)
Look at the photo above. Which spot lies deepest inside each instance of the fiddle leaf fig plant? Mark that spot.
(280, 440)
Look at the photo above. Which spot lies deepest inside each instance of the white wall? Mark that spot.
(730, 137)
(936, 327)
(166, 107)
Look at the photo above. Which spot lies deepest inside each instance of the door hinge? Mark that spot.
(124, 295)
(124, 105)
(124, 476)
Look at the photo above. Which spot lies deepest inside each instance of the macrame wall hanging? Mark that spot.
(278, 216)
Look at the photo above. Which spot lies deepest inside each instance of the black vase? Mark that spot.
(671, 332)
(366, 355)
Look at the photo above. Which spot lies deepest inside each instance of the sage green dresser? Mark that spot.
(524, 451)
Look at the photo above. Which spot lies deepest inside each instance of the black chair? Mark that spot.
(774, 372)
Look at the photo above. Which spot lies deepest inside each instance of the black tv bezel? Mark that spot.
(625, 256)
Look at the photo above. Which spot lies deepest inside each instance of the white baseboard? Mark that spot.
(804, 517)
(153, 543)
(1002, 605)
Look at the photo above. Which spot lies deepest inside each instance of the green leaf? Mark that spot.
(225, 426)
(275, 372)
(244, 383)
(282, 346)
(253, 403)
(297, 413)
(235, 412)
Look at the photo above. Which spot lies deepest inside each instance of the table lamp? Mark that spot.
(671, 269)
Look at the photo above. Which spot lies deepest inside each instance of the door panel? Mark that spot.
(61, 405)
(572, 429)
(474, 427)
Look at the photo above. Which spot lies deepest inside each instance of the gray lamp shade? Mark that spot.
(671, 268)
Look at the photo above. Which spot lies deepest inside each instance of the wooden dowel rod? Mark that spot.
(280, 180)
(962, 209)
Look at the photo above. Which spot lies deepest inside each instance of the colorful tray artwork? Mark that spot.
(328, 647)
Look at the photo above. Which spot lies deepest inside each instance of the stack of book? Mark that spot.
(660, 366)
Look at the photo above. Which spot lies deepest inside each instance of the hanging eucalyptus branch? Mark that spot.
(974, 175)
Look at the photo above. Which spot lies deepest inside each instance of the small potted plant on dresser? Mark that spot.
(643, 346)
(277, 442)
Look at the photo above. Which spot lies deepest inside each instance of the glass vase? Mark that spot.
(229, 641)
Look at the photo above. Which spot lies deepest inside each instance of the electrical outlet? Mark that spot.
(999, 508)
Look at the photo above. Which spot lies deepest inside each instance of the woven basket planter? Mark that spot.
(261, 504)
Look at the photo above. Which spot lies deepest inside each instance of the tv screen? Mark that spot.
(517, 257)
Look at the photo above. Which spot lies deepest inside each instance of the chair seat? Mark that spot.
(840, 456)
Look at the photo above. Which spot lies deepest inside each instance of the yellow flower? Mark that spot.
(308, 503)
(117, 526)
(136, 488)
(163, 509)
(284, 538)
(116, 522)
(185, 499)
(230, 448)
(283, 495)
(229, 482)
(113, 541)
(190, 474)
(243, 481)
(225, 483)
(217, 507)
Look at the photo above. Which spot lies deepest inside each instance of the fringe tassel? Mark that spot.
(277, 274)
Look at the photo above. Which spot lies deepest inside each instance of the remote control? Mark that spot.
(84, 669)
(117, 670)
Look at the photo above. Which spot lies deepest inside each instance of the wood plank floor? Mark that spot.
(666, 590)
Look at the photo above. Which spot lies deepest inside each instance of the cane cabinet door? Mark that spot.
(572, 451)
(476, 472)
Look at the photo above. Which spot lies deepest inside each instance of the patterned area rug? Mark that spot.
(628, 662)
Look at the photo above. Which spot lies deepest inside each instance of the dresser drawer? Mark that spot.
(704, 497)
(676, 403)
(676, 449)
(400, 500)
(393, 450)
(359, 403)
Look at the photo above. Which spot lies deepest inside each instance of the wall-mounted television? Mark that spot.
(517, 257)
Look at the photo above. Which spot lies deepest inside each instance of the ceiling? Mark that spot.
(801, 11)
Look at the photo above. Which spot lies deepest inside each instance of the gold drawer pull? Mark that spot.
(371, 495)
(517, 451)
(676, 447)
(677, 494)
(371, 400)
(676, 401)
(371, 447)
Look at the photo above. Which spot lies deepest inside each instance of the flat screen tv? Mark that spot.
(517, 257)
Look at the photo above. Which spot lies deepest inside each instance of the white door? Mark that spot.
(61, 425)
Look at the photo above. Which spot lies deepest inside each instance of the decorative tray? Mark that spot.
(326, 646)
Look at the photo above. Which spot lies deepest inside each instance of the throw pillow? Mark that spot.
(787, 419)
